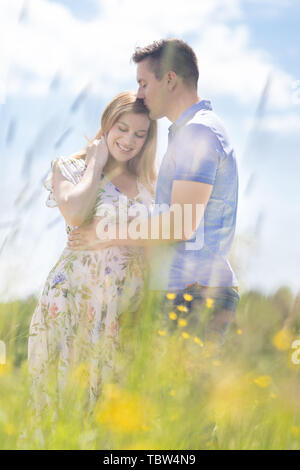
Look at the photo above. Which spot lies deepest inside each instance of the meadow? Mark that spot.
(174, 391)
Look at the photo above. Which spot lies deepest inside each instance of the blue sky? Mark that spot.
(64, 60)
(275, 27)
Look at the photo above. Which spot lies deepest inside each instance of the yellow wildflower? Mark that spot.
(81, 374)
(182, 308)
(185, 335)
(273, 395)
(182, 322)
(5, 369)
(217, 363)
(62, 432)
(263, 381)
(172, 393)
(171, 296)
(112, 391)
(124, 411)
(209, 302)
(9, 428)
(161, 332)
(172, 315)
(188, 297)
(282, 340)
(231, 397)
(198, 341)
(239, 331)
(174, 417)
(296, 430)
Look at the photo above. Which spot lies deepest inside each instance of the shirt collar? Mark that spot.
(188, 114)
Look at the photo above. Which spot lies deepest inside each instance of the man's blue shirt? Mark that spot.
(198, 150)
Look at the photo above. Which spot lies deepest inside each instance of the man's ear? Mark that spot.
(172, 79)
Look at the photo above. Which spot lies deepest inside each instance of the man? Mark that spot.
(199, 170)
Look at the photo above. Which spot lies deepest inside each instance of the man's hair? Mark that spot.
(170, 54)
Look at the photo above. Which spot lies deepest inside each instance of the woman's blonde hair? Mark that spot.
(143, 164)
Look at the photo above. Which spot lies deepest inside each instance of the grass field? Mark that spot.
(173, 391)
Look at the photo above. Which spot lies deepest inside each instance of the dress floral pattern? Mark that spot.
(77, 317)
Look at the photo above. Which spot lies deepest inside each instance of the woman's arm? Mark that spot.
(76, 201)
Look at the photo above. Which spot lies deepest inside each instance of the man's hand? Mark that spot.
(85, 238)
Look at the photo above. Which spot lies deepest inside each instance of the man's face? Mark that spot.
(152, 91)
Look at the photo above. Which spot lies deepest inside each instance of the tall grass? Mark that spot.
(171, 391)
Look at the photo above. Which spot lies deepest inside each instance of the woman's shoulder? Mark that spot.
(71, 161)
(71, 167)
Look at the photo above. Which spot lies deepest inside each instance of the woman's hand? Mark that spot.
(76, 201)
(97, 153)
(85, 237)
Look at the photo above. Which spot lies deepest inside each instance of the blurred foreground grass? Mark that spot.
(171, 390)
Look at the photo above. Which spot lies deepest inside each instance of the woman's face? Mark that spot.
(127, 136)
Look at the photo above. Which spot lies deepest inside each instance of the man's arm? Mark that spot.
(188, 202)
(197, 156)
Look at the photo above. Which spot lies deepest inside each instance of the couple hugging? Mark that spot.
(97, 278)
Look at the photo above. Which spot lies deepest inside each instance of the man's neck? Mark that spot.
(180, 103)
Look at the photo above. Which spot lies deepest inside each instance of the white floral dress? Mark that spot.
(77, 317)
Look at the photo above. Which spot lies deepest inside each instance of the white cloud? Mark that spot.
(272, 3)
(285, 123)
(99, 51)
(230, 67)
(52, 39)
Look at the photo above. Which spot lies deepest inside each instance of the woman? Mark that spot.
(77, 317)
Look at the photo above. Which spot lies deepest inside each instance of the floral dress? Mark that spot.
(77, 317)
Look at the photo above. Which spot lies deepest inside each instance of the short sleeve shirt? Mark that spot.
(198, 150)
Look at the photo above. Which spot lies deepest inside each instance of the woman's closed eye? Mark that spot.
(139, 136)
